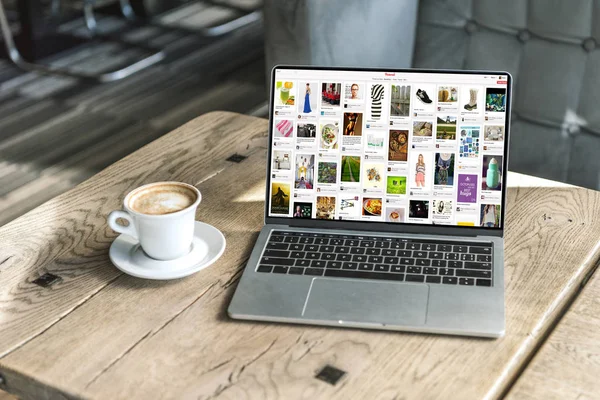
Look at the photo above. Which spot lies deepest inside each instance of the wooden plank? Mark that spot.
(54, 235)
(567, 366)
(131, 338)
(7, 396)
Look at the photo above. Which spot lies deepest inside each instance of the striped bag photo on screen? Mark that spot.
(376, 98)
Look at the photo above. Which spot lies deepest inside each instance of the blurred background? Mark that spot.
(84, 83)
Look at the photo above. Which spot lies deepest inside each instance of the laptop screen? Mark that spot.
(415, 147)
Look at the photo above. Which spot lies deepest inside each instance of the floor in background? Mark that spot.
(57, 132)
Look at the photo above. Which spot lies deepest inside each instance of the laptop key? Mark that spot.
(351, 242)
(277, 261)
(415, 278)
(375, 259)
(276, 253)
(291, 239)
(404, 253)
(296, 271)
(313, 271)
(326, 249)
(342, 249)
(382, 245)
(264, 268)
(397, 268)
(276, 239)
(430, 271)
(397, 245)
(296, 247)
(359, 258)
(357, 250)
(350, 265)
(420, 254)
(444, 247)
(334, 264)
(413, 270)
(319, 263)
(302, 263)
(447, 271)
(391, 260)
(321, 240)
(365, 267)
(367, 243)
(306, 240)
(277, 246)
(460, 249)
(484, 258)
(336, 242)
(474, 274)
(436, 255)
(373, 252)
(483, 282)
(407, 261)
(344, 257)
(433, 279)
(311, 247)
(364, 275)
(480, 250)
(388, 252)
(413, 246)
(467, 257)
(478, 265)
(313, 256)
(455, 264)
(466, 281)
(280, 270)
(449, 280)
(382, 268)
(423, 262)
(428, 247)
(452, 256)
(298, 254)
(438, 263)
(327, 256)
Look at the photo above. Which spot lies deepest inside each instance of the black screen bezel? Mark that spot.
(384, 226)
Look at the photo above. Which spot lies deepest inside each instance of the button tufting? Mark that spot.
(524, 35)
(589, 44)
(471, 26)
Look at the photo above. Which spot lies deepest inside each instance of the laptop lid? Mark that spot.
(388, 150)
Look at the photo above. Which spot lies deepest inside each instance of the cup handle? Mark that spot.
(128, 230)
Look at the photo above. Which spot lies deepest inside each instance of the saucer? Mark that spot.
(207, 246)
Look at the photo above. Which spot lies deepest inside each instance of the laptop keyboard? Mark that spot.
(374, 257)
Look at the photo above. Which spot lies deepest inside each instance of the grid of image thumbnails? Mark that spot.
(428, 153)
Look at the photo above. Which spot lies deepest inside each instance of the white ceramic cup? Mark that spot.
(162, 236)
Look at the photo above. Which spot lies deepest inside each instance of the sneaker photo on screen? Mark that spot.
(422, 95)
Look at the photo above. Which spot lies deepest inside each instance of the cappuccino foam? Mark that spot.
(162, 199)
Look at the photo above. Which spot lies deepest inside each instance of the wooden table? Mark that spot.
(97, 333)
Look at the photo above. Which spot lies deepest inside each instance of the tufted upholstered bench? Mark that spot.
(551, 48)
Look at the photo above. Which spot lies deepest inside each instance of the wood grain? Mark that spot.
(7, 396)
(568, 364)
(101, 334)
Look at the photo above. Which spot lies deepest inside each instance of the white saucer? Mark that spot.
(208, 245)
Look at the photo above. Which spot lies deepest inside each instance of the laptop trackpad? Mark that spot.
(387, 303)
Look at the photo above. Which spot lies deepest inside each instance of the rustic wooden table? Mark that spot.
(97, 333)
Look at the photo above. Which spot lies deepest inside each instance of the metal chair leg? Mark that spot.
(127, 10)
(17, 59)
(89, 16)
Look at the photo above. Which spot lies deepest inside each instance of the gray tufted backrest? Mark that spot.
(551, 48)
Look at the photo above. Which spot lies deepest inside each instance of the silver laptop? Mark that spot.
(385, 201)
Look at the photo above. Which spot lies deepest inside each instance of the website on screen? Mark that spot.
(422, 148)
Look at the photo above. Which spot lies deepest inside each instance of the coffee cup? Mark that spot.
(161, 217)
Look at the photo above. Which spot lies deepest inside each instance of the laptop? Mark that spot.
(385, 201)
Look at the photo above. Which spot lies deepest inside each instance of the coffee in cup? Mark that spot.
(161, 199)
(161, 217)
